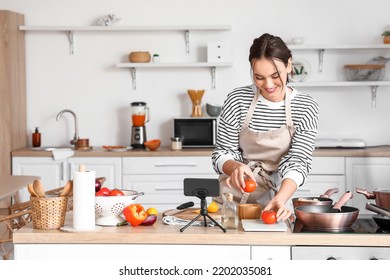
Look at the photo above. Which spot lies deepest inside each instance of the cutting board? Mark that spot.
(189, 214)
(259, 225)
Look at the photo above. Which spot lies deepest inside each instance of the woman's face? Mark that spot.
(269, 80)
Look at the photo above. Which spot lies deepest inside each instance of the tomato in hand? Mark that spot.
(268, 217)
(135, 214)
(116, 192)
(250, 185)
(103, 192)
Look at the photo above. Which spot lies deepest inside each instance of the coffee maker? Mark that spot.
(139, 116)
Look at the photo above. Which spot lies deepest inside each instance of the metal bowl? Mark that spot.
(213, 110)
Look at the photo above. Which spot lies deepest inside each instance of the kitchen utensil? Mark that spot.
(196, 98)
(153, 144)
(30, 189)
(383, 219)
(323, 199)
(67, 189)
(139, 117)
(382, 197)
(108, 209)
(178, 209)
(326, 217)
(39, 190)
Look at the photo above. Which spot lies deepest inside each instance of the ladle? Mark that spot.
(38, 188)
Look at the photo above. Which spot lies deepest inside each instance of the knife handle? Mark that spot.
(185, 205)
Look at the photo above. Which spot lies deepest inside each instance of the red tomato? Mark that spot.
(135, 214)
(115, 192)
(268, 217)
(103, 192)
(250, 185)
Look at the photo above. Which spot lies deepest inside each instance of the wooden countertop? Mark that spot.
(380, 151)
(160, 233)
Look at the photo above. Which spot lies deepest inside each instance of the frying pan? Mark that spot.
(327, 217)
(382, 197)
(383, 219)
(321, 200)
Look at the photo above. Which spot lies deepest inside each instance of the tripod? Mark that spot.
(204, 213)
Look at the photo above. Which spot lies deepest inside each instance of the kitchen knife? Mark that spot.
(178, 209)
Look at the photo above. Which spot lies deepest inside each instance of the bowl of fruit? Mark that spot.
(109, 205)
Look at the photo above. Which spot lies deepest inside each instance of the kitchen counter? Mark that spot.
(380, 151)
(160, 233)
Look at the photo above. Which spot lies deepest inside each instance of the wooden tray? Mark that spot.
(190, 213)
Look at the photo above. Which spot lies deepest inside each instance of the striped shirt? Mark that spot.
(268, 115)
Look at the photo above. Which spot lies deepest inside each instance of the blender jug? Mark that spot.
(139, 113)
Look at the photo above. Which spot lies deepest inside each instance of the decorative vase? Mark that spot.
(196, 98)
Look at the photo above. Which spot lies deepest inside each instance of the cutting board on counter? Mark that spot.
(259, 225)
(190, 213)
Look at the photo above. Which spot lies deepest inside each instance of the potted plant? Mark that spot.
(386, 37)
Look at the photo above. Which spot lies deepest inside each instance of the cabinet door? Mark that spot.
(52, 172)
(270, 253)
(108, 167)
(369, 173)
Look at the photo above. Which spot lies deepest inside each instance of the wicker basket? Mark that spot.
(48, 212)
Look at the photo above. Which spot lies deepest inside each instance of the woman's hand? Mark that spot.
(282, 212)
(237, 172)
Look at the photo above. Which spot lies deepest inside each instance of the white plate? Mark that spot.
(301, 71)
(259, 225)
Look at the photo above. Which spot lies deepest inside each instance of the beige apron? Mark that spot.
(262, 152)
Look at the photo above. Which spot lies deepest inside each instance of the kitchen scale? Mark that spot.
(340, 143)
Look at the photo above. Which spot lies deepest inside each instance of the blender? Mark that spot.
(139, 116)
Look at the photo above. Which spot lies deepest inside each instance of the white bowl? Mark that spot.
(108, 209)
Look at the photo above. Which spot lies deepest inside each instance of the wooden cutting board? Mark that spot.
(190, 213)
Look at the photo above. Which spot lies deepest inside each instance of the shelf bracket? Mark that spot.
(321, 60)
(71, 42)
(187, 38)
(373, 96)
(134, 78)
(213, 77)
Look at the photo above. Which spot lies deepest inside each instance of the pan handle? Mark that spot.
(378, 209)
(343, 199)
(329, 192)
(365, 192)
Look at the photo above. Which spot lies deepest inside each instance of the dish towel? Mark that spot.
(174, 221)
(59, 154)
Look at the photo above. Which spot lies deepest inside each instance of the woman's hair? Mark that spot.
(269, 47)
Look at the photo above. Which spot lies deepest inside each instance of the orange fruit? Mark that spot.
(213, 207)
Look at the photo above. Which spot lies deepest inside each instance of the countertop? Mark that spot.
(379, 151)
(160, 233)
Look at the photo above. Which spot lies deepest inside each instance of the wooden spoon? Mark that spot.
(38, 188)
(31, 190)
(67, 189)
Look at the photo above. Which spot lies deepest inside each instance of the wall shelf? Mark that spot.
(70, 30)
(212, 65)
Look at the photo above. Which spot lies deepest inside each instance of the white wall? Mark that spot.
(99, 93)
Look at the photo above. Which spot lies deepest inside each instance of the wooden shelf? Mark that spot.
(70, 30)
(211, 65)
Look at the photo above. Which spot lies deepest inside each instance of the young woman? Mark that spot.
(266, 131)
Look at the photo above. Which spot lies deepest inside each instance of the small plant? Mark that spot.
(386, 33)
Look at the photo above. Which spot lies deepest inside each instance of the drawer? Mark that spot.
(339, 253)
(328, 165)
(168, 165)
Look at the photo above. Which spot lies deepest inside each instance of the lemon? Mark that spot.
(213, 207)
(151, 211)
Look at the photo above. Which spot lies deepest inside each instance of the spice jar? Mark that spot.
(176, 143)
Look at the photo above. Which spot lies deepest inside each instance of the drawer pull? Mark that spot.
(174, 164)
(168, 189)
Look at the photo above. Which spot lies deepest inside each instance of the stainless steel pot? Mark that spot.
(382, 197)
(383, 217)
(321, 200)
(326, 218)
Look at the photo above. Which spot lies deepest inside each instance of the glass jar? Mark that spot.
(176, 143)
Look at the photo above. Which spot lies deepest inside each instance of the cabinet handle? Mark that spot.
(174, 164)
(168, 189)
(63, 171)
(331, 258)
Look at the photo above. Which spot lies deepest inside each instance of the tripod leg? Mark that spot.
(190, 223)
(216, 223)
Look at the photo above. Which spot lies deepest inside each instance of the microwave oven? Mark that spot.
(196, 132)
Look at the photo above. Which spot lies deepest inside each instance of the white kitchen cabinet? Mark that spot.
(161, 178)
(368, 173)
(339, 253)
(109, 167)
(53, 173)
(121, 252)
(264, 253)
